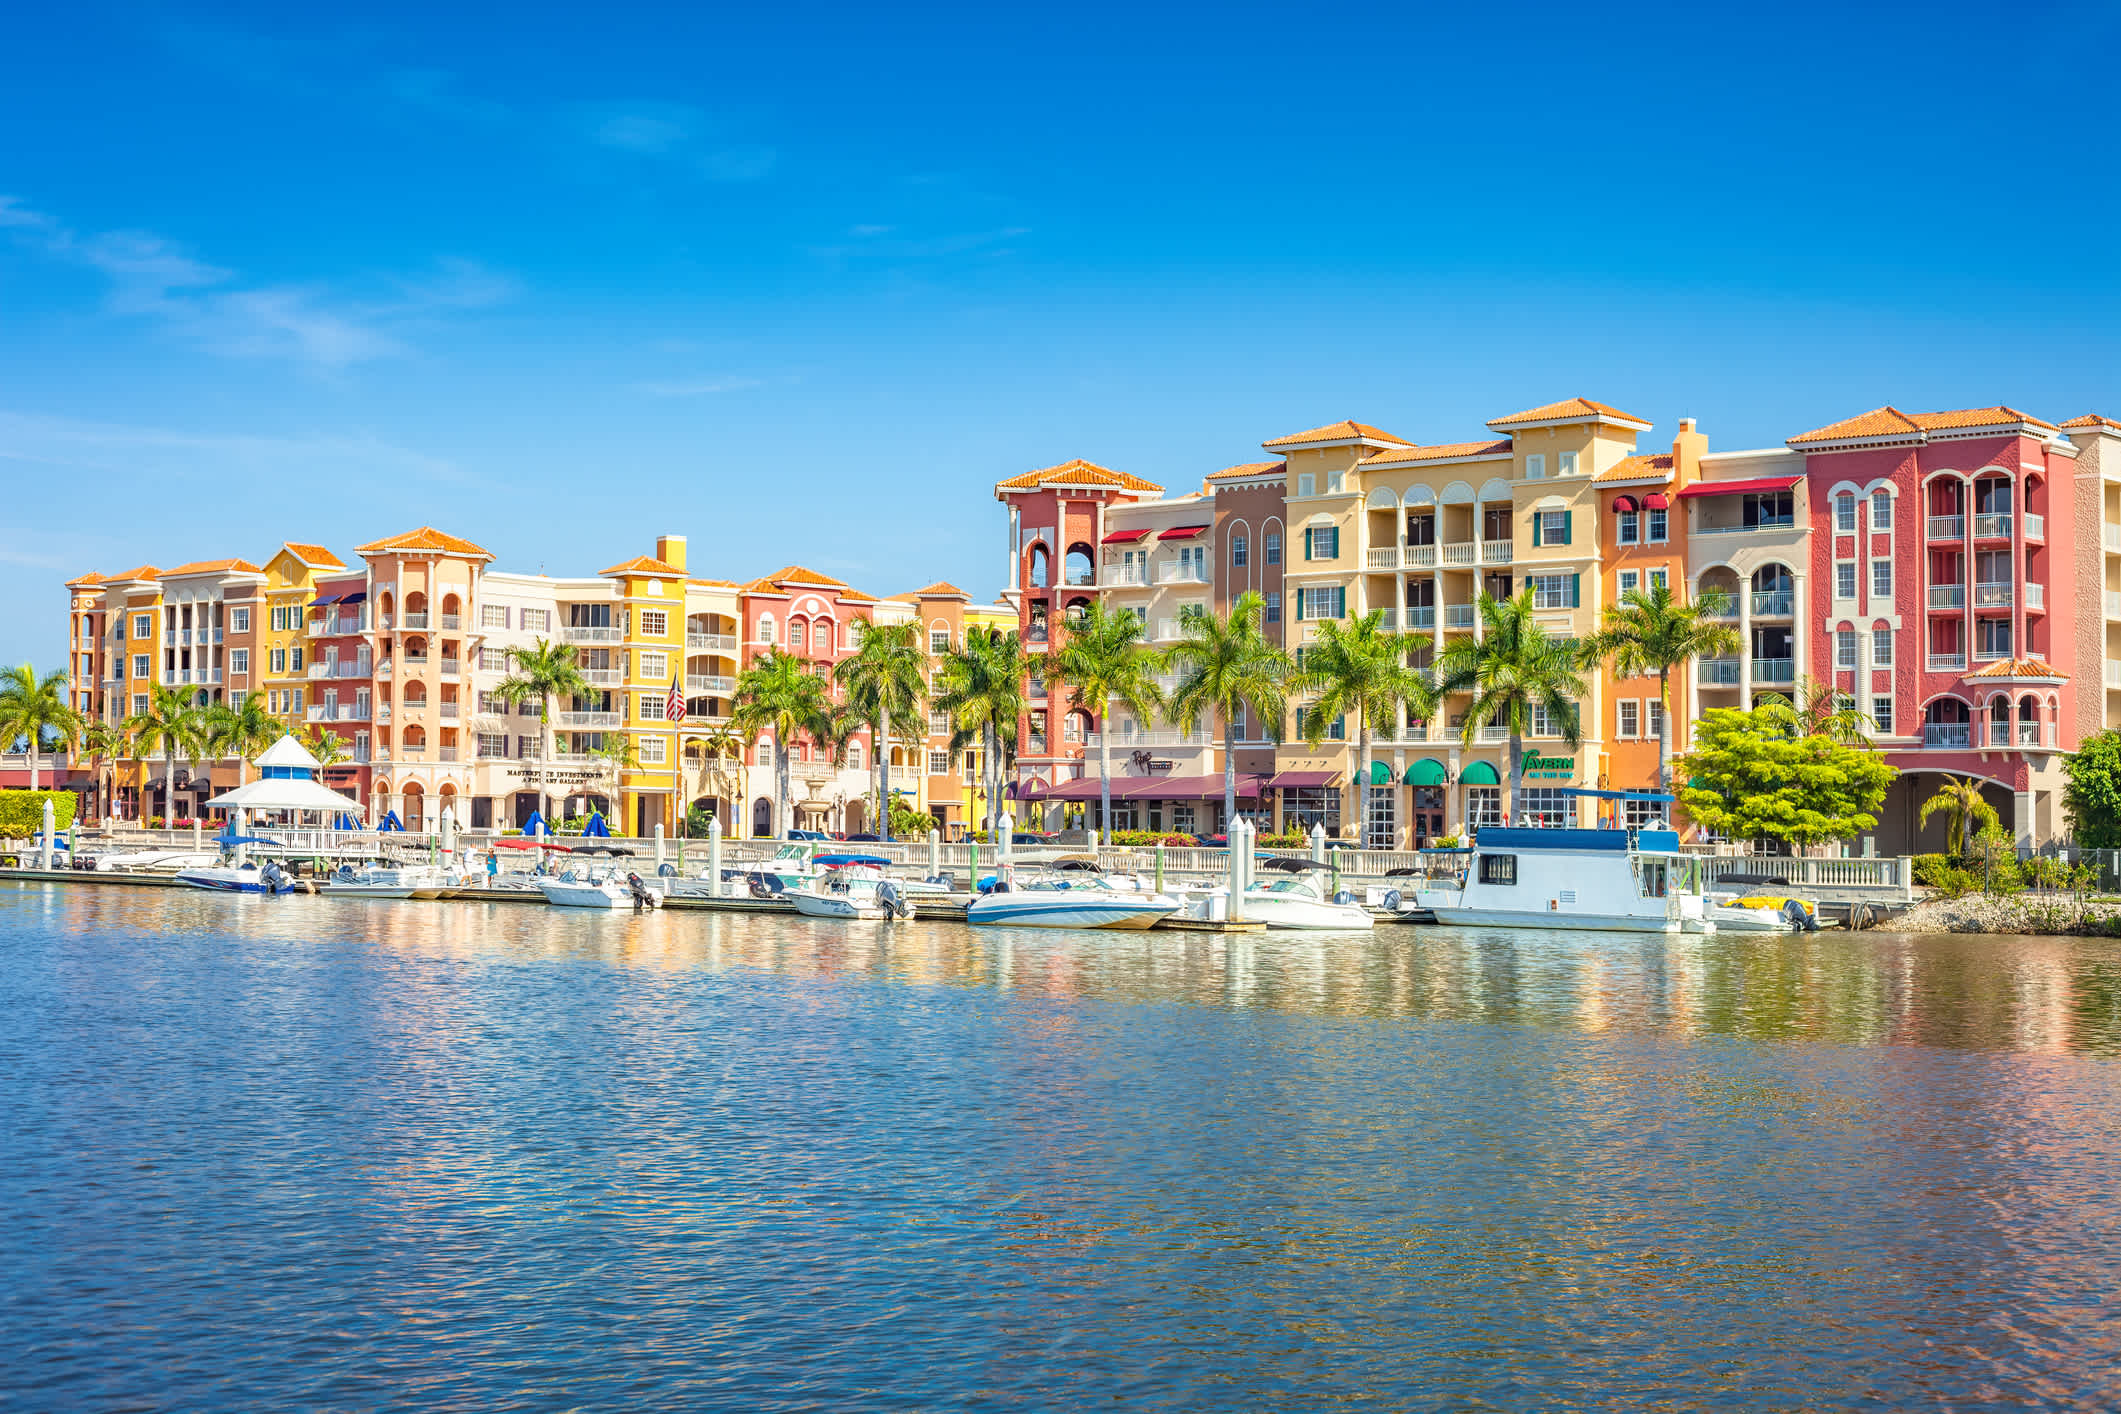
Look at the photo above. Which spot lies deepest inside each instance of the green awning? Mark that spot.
(1380, 774)
(1480, 773)
(1428, 771)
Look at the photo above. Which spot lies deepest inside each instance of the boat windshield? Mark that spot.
(1291, 886)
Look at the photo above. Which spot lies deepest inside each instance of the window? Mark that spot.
(1273, 547)
(1237, 551)
(239, 621)
(1535, 466)
(1881, 579)
(235, 697)
(279, 660)
(1766, 510)
(493, 616)
(1992, 638)
(938, 640)
(1660, 521)
(1881, 510)
(766, 629)
(1550, 527)
(1336, 731)
(762, 754)
(1483, 806)
(854, 756)
(1305, 484)
(493, 660)
(1629, 531)
(294, 659)
(526, 708)
(1548, 805)
(1640, 814)
(1498, 869)
(139, 704)
(1322, 542)
(651, 707)
(1326, 602)
(294, 700)
(1272, 613)
(1306, 806)
(143, 627)
(1656, 717)
(1630, 581)
(529, 748)
(655, 750)
(1881, 648)
(938, 763)
(490, 703)
(1545, 722)
(1845, 648)
(1630, 719)
(1882, 714)
(655, 623)
(654, 667)
(239, 660)
(1844, 581)
(1565, 464)
(1660, 579)
(493, 745)
(1553, 591)
(139, 665)
(1333, 483)
(1193, 562)
(537, 620)
(1845, 514)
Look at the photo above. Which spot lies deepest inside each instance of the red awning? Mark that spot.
(1733, 488)
(1294, 780)
(1656, 501)
(1182, 532)
(1125, 537)
(1626, 504)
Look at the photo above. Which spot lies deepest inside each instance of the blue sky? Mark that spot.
(804, 282)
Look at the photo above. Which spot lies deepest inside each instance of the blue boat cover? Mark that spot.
(1496, 837)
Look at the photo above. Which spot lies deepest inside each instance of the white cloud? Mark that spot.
(677, 133)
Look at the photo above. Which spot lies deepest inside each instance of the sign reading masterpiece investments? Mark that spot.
(1562, 767)
(530, 774)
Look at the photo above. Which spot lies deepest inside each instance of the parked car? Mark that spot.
(863, 839)
(808, 835)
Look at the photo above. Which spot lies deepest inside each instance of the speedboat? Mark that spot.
(1762, 913)
(852, 891)
(141, 861)
(1299, 902)
(387, 881)
(245, 878)
(1064, 898)
(1600, 880)
(598, 888)
(797, 867)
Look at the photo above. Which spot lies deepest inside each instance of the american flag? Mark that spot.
(674, 704)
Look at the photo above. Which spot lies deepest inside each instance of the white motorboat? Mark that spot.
(246, 878)
(157, 861)
(1600, 880)
(1067, 897)
(387, 881)
(797, 866)
(852, 891)
(1299, 902)
(585, 887)
(1762, 912)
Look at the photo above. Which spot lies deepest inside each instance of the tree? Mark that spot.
(614, 755)
(1817, 709)
(34, 708)
(539, 674)
(1101, 658)
(242, 732)
(169, 725)
(1513, 666)
(103, 743)
(2092, 792)
(1649, 631)
(1361, 669)
(785, 695)
(328, 747)
(721, 749)
(1749, 775)
(1228, 666)
(1960, 801)
(884, 678)
(983, 695)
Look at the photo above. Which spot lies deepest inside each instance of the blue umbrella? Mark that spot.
(596, 827)
(534, 824)
(344, 821)
(390, 821)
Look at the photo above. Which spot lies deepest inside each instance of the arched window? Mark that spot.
(1039, 566)
(1881, 509)
(798, 635)
(854, 756)
(762, 753)
(2029, 720)
(1081, 566)
(1845, 513)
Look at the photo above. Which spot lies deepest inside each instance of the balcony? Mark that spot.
(1420, 557)
(320, 670)
(1993, 527)
(1947, 596)
(2113, 542)
(1388, 620)
(1774, 523)
(1181, 574)
(452, 622)
(1122, 577)
(2113, 603)
(1493, 733)
(1037, 632)
(1497, 552)
(2028, 734)
(1992, 596)
(415, 660)
(2036, 596)
(709, 683)
(1774, 603)
(1421, 616)
(1462, 552)
(1729, 612)
(450, 711)
(603, 677)
(445, 754)
(411, 621)
(1458, 616)
(1774, 670)
(1947, 662)
(711, 643)
(451, 667)
(383, 713)
(1949, 735)
(1076, 579)
(1719, 672)
(1385, 559)
(418, 752)
(1947, 527)
(2035, 528)
(585, 719)
(1128, 741)
(814, 770)
(590, 633)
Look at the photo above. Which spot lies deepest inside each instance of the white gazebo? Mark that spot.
(287, 780)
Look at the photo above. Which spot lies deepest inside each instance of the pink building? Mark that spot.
(813, 616)
(1942, 552)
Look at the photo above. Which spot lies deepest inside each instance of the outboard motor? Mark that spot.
(641, 897)
(1801, 920)
(1392, 900)
(766, 885)
(1343, 897)
(945, 880)
(274, 878)
(894, 902)
(667, 870)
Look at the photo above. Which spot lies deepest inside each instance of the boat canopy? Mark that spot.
(1614, 794)
(841, 861)
(1294, 866)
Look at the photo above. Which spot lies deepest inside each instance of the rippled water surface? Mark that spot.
(317, 1154)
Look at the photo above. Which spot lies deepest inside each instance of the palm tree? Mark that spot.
(169, 725)
(1361, 668)
(1230, 667)
(103, 743)
(242, 732)
(884, 678)
(30, 707)
(1102, 658)
(983, 695)
(1819, 710)
(615, 754)
(328, 747)
(720, 746)
(1964, 807)
(538, 675)
(1513, 667)
(1649, 631)
(787, 696)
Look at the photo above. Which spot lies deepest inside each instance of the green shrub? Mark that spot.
(1954, 883)
(2045, 872)
(1928, 866)
(22, 811)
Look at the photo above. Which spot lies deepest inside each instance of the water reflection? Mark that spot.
(320, 1153)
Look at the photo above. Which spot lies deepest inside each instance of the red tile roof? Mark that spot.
(941, 589)
(1642, 468)
(1890, 421)
(1443, 451)
(1563, 411)
(87, 581)
(425, 538)
(2019, 668)
(313, 555)
(1347, 431)
(142, 572)
(1076, 473)
(645, 564)
(2092, 419)
(213, 567)
(1245, 469)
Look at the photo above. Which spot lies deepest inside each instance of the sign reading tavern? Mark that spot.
(1550, 766)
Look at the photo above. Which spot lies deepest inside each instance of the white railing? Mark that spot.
(1774, 670)
(2028, 733)
(1458, 615)
(586, 719)
(383, 713)
(1121, 576)
(1461, 552)
(419, 620)
(1125, 741)
(1388, 620)
(383, 668)
(1385, 559)
(450, 711)
(1775, 524)
(1494, 733)
(1180, 574)
(708, 682)
(2113, 604)
(2036, 596)
(2113, 537)
(1774, 603)
(1497, 552)
(591, 633)
(451, 667)
(712, 642)
(1947, 596)
(320, 670)
(1953, 735)
(602, 677)
(1992, 596)
(1720, 672)
(1947, 662)
(452, 622)
(1420, 557)
(1166, 630)
(2113, 672)
(1947, 527)
(445, 753)
(1993, 527)
(1421, 616)
(2035, 526)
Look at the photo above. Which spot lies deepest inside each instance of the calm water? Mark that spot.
(306, 1153)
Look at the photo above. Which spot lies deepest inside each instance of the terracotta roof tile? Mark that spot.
(1974, 417)
(645, 564)
(1346, 431)
(2019, 668)
(213, 567)
(1076, 473)
(1443, 451)
(425, 538)
(1565, 409)
(141, 572)
(1658, 464)
(313, 554)
(1890, 421)
(1245, 469)
(87, 581)
(941, 589)
(2092, 419)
